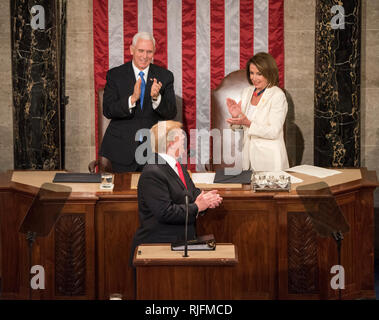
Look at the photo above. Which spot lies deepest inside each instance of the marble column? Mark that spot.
(36, 84)
(337, 83)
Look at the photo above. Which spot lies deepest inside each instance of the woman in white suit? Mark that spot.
(261, 114)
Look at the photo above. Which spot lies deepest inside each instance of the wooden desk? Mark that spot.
(86, 256)
(165, 274)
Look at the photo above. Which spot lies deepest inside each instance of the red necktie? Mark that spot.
(181, 175)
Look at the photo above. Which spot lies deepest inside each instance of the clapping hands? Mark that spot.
(156, 86)
(207, 200)
(233, 107)
(238, 118)
(154, 92)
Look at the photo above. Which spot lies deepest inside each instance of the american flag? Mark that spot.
(200, 41)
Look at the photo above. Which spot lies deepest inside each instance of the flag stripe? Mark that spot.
(260, 26)
(203, 71)
(189, 63)
(217, 68)
(116, 34)
(160, 32)
(130, 25)
(246, 31)
(145, 16)
(174, 49)
(232, 36)
(101, 58)
(276, 35)
(189, 66)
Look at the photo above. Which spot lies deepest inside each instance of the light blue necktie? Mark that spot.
(143, 85)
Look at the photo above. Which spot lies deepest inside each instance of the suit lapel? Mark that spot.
(174, 175)
(249, 96)
(262, 102)
(170, 172)
(129, 70)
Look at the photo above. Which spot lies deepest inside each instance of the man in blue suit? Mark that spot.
(137, 95)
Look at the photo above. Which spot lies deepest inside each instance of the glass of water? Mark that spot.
(283, 181)
(271, 181)
(261, 180)
(106, 180)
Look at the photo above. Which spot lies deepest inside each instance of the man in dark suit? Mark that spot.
(162, 188)
(137, 95)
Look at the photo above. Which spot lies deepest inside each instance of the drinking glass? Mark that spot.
(283, 181)
(271, 181)
(261, 181)
(106, 180)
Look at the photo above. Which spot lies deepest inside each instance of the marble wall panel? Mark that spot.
(35, 73)
(337, 86)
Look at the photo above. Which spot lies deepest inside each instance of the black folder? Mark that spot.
(201, 243)
(243, 177)
(78, 177)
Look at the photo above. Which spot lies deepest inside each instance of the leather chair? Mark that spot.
(230, 87)
(102, 163)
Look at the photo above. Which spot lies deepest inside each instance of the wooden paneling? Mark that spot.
(116, 223)
(303, 273)
(185, 282)
(250, 226)
(87, 254)
(68, 255)
(14, 207)
(16, 273)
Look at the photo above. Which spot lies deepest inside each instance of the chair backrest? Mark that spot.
(104, 165)
(230, 87)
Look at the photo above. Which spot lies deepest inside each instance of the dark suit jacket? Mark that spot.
(119, 143)
(161, 205)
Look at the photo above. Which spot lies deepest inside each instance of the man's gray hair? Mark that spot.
(143, 35)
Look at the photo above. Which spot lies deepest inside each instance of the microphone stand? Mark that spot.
(30, 237)
(186, 230)
(338, 237)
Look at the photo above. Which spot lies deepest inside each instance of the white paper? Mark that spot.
(203, 177)
(276, 174)
(314, 171)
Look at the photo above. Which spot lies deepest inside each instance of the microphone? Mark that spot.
(186, 229)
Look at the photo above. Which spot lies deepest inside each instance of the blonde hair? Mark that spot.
(163, 132)
(266, 65)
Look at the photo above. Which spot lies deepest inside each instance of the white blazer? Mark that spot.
(263, 142)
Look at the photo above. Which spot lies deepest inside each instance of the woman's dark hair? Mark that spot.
(266, 65)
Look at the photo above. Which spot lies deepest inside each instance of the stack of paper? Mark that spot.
(203, 177)
(314, 171)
